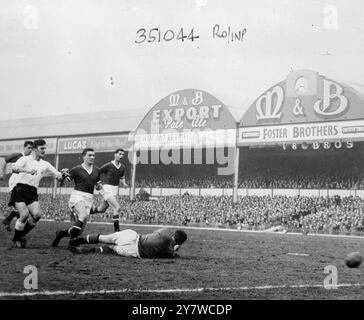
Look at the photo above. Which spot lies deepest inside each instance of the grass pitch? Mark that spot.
(215, 265)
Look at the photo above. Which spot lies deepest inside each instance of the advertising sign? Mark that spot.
(187, 118)
(98, 143)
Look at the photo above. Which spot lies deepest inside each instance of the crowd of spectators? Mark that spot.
(265, 180)
(259, 168)
(306, 172)
(305, 214)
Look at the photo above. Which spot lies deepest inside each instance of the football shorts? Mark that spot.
(79, 196)
(126, 243)
(109, 191)
(23, 193)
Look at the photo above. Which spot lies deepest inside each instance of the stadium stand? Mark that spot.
(335, 164)
(303, 214)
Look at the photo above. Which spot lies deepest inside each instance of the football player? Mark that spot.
(112, 173)
(86, 177)
(162, 243)
(30, 169)
(14, 157)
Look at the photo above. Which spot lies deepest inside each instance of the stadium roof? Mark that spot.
(72, 124)
(105, 122)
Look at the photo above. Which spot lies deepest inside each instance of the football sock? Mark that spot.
(76, 229)
(104, 250)
(28, 226)
(17, 235)
(90, 238)
(64, 233)
(116, 223)
(13, 214)
(18, 231)
(97, 250)
(89, 250)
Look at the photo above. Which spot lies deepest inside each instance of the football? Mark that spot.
(353, 259)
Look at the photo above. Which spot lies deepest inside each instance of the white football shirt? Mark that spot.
(42, 167)
(13, 180)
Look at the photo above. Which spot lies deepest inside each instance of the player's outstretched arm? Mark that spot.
(13, 157)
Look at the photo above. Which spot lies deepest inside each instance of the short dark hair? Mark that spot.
(180, 236)
(28, 143)
(38, 143)
(84, 151)
(118, 150)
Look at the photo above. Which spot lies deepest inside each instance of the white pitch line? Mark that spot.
(298, 254)
(218, 229)
(107, 292)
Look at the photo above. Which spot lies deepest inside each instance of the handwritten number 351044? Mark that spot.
(156, 35)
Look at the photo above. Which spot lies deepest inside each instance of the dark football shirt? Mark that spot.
(158, 244)
(14, 157)
(84, 181)
(110, 174)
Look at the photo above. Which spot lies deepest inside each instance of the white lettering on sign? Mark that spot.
(315, 131)
(326, 145)
(280, 133)
(272, 108)
(198, 99)
(173, 118)
(173, 100)
(322, 107)
(75, 145)
(309, 133)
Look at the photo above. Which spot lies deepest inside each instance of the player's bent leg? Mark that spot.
(101, 208)
(81, 211)
(20, 223)
(110, 238)
(121, 237)
(83, 250)
(88, 239)
(33, 218)
(13, 214)
(125, 250)
(126, 242)
(106, 249)
(7, 221)
(116, 212)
